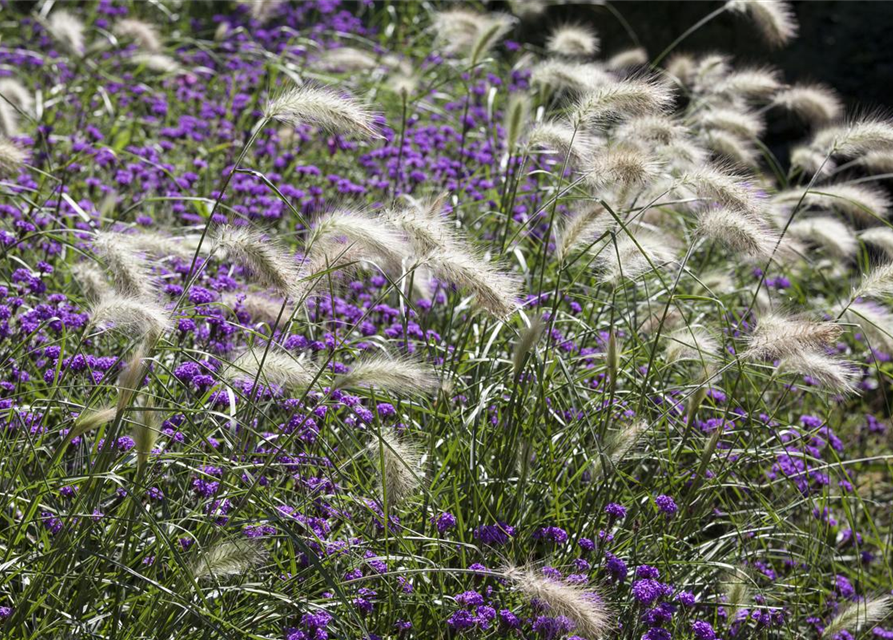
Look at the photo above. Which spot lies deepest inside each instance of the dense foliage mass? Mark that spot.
(371, 321)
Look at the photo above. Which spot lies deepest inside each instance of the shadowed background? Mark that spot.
(843, 43)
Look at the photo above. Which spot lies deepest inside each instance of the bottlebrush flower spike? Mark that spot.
(563, 140)
(859, 614)
(389, 374)
(273, 366)
(269, 263)
(11, 157)
(325, 108)
(861, 136)
(621, 99)
(880, 237)
(637, 57)
(878, 282)
(372, 237)
(498, 26)
(494, 290)
(426, 228)
(814, 103)
(67, 30)
(227, 559)
(573, 40)
(872, 319)
(138, 318)
(581, 228)
(628, 259)
(517, 113)
(774, 18)
(751, 84)
(129, 272)
(585, 608)
(399, 464)
(862, 202)
(723, 188)
(623, 167)
(777, 336)
(563, 75)
(348, 59)
(737, 231)
(14, 98)
(144, 34)
(827, 371)
(829, 233)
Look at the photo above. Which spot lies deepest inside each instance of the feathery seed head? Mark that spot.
(494, 290)
(563, 140)
(11, 156)
(873, 320)
(576, 77)
(137, 317)
(387, 374)
(348, 59)
(829, 233)
(624, 166)
(130, 272)
(637, 57)
(573, 40)
(621, 99)
(628, 259)
(583, 227)
(374, 238)
(583, 607)
(754, 84)
(68, 30)
(738, 232)
(774, 18)
(275, 366)
(859, 614)
(89, 420)
(814, 103)
(227, 559)
(527, 9)
(399, 463)
(157, 62)
(144, 34)
(725, 189)
(878, 161)
(268, 262)
(325, 108)
(739, 122)
(878, 282)
(856, 138)
(730, 147)
(826, 371)
(881, 237)
(17, 94)
(426, 228)
(91, 280)
(777, 336)
(497, 27)
(683, 67)
(526, 343)
(862, 202)
(655, 129)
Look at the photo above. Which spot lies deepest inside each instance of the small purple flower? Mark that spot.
(703, 630)
(667, 505)
(444, 522)
(615, 510)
